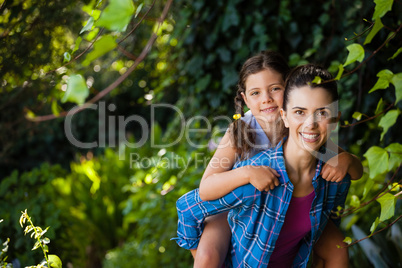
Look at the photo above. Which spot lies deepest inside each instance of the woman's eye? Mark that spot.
(323, 114)
(299, 112)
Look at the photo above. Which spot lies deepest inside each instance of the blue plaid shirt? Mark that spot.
(255, 217)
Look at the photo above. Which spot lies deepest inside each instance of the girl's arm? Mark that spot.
(220, 179)
(337, 167)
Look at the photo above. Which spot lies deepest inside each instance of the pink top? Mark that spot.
(297, 224)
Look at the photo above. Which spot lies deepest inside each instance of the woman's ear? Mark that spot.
(284, 118)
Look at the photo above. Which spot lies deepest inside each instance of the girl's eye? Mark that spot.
(276, 88)
(254, 93)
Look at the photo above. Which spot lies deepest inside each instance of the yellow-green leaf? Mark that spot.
(88, 26)
(356, 53)
(382, 7)
(396, 54)
(374, 225)
(376, 28)
(347, 240)
(387, 202)
(77, 90)
(396, 80)
(101, 47)
(357, 116)
(384, 78)
(388, 121)
(395, 155)
(377, 160)
(117, 15)
(54, 261)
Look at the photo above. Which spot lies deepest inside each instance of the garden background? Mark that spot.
(110, 198)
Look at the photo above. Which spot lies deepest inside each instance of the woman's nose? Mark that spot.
(311, 121)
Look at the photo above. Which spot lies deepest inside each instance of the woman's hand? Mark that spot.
(263, 178)
(337, 167)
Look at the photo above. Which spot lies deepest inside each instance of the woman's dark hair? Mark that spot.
(304, 75)
(242, 137)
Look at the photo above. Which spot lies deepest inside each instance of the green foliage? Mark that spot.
(41, 242)
(77, 90)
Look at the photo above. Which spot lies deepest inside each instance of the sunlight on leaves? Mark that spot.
(117, 15)
(395, 155)
(374, 225)
(101, 47)
(77, 90)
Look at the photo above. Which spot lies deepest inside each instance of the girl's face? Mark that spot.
(264, 95)
(310, 116)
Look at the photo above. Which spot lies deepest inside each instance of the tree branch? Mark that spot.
(117, 82)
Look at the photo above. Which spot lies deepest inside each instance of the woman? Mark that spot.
(262, 222)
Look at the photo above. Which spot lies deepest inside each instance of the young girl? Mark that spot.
(279, 227)
(261, 88)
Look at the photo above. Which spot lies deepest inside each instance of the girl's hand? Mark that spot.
(263, 178)
(336, 168)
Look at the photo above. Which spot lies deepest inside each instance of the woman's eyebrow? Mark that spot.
(299, 108)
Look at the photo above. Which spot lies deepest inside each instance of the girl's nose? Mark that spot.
(267, 97)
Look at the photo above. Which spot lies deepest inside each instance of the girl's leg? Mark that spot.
(326, 252)
(214, 242)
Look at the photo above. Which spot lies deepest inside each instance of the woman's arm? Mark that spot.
(220, 179)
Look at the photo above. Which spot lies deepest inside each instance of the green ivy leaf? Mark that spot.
(138, 10)
(354, 201)
(55, 108)
(67, 57)
(77, 44)
(117, 15)
(395, 155)
(54, 261)
(357, 116)
(374, 225)
(317, 80)
(377, 160)
(396, 54)
(356, 53)
(376, 28)
(102, 46)
(396, 80)
(347, 240)
(387, 202)
(382, 7)
(380, 107)
(77, 90)
(88, 25)
(384, 78)
(388, 121)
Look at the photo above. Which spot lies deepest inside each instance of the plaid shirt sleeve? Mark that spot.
(340, 198)
(192, 212)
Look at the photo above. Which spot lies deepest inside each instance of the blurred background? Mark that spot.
(113, 204)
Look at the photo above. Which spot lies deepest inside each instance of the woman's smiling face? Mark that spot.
(310, 116)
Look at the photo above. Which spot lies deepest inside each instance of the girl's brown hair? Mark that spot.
(242, 137)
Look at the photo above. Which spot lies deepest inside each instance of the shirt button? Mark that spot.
(313, 214)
